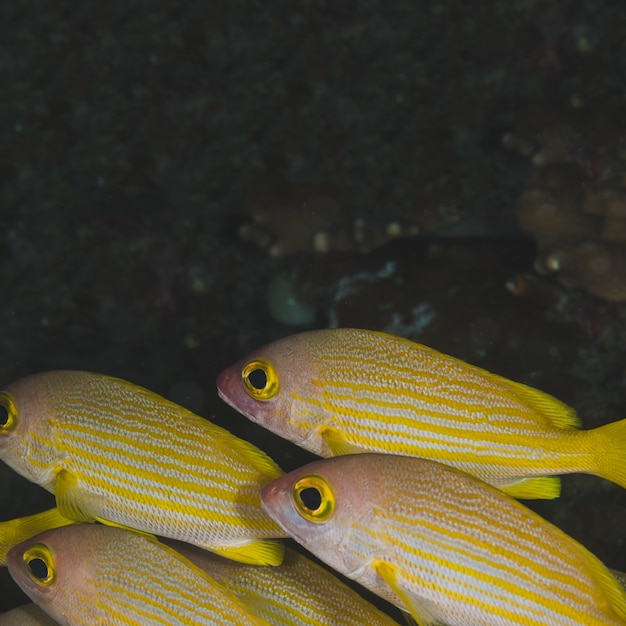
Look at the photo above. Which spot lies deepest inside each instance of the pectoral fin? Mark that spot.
(258, 552)
(337, 443)
(412, 603)
(72, 502)
(17, 530)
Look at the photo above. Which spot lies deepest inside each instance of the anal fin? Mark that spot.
(257, 552)
(544, 487)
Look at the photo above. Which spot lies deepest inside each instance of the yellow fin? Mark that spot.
(558, 413)
(108, 522)
(337, 443)
(414, 605)
(262, 462)
(257, 552)
(612, 587)
(620, 577)
(545, 487)
(608, 446)
(71, 503)
(20, 529)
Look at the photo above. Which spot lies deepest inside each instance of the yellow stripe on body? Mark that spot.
(140, 581)
(397, 434)
(441, 375)
(511, 562)
(118, 453)
(443, 544)
(295, 593)
(103, 575)
(182, 474)
(124, 460)
(475, 573)
(471, 427)
(481, 410)
(489, 407)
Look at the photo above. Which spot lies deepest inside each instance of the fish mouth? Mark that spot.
(271, 494)
(13, 557)
(225, 382)
(268, 491)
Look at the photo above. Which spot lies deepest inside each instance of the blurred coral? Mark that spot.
(595, 266)
(287, 219)
(552, 218)
(574, 204)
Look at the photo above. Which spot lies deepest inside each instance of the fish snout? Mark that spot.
(269, 494)
(226, 384)
(276, 501)
(231, 390)
(14, 558)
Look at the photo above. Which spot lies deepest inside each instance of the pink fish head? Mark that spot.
(277, 387)
(27, 428)
(50, 569)
(317, 505)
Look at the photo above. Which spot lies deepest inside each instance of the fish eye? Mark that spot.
(38, 561)
(8, 413)
(313, 498)
(260, 379)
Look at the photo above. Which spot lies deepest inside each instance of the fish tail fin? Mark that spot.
(609, 443)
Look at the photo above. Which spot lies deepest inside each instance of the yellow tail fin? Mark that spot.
(609, 444)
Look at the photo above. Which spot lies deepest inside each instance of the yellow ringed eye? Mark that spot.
(8, 413)
(39, 565)
(260, 379)
(313, 498)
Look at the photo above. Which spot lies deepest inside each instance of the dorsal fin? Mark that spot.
(556, 412)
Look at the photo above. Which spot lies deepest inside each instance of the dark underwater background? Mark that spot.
(183, 182)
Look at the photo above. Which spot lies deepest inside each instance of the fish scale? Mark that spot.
(344, 390)
(444, 545)
(114, 452)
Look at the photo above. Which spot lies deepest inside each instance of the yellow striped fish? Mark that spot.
(295, 593)
(441, 544)
(119, 454)
(345, 391)
(91, 574)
